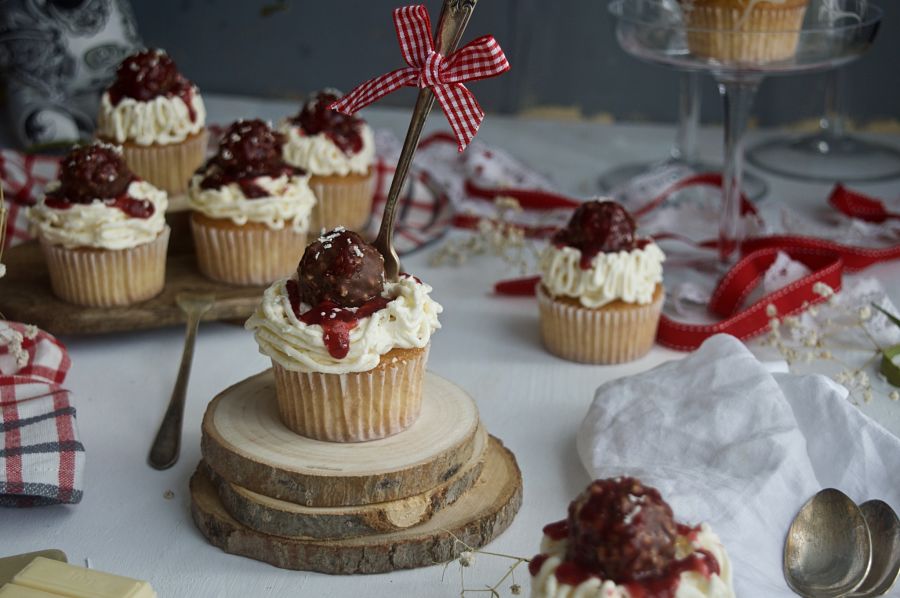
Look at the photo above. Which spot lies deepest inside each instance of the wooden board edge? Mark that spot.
(332, 557)
(301, 488)
(346, 522)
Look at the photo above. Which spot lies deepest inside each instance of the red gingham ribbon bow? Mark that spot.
(479, 59)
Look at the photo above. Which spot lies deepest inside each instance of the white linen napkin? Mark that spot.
(738, 444)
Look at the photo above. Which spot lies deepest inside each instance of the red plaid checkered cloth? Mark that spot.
(41, 457)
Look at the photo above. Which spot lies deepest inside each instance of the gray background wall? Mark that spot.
(285, 48)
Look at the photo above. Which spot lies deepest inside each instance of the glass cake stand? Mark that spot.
(655, 31)
(830, 154)
(684, 151)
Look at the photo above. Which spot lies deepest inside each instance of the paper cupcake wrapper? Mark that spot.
(723, 41)
(357, 406)
(341, 201)
(601, 336)
(168, 167)
(246, 255)
(108, 277)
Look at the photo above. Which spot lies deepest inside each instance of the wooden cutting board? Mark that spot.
(25, 296)
(476, 518)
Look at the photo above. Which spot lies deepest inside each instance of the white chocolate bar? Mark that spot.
(61, 579)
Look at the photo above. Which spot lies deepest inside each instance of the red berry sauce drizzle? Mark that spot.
(336, 321)
(249, 149)
(93, 172)
(150, 74)
(598, 226)
(623, 531)
(316, 117)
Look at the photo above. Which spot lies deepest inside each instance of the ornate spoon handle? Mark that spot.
(454, 17)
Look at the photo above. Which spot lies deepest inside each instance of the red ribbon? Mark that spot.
(739, 282)
(479, 59)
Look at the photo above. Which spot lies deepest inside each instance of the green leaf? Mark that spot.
(888, 367)
(888, 315)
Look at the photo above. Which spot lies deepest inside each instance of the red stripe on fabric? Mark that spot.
(13, 438)
(65, 433)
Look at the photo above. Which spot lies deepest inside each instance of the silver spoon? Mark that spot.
(455, 16)
(828, 550)
(167, 444)
(884, 529)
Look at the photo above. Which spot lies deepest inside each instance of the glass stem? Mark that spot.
(833, 123)
(738, 96)
(685, 148)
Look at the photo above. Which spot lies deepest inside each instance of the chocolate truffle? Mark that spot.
(598, 226)
(249, 149)
(146, 75)
(92, 171)
(621, 530)
(340, 268)
(316, 117)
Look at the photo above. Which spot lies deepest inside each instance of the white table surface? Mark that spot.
(489, 346)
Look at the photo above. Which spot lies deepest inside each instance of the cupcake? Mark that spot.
(620, 540)
(158, 118)
(339, 153)
(102, 230)
(744, 31)
(348, 348)
(250, 210)
(601, 292)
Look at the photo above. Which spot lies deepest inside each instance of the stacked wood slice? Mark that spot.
(414, 499)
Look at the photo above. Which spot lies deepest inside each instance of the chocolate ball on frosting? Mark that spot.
(146, 75)
(93, 171)
(598, 226)
(621, 530)
(341, 268)
(316, 117)
(249, 148)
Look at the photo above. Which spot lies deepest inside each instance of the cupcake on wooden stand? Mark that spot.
(601, 292)
(339, 153)
(348, 348)
(250, 210)
(159, 119)
(102, 230)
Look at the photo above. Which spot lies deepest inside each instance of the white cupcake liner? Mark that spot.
(341, 201)
(107, 277)
(606, 335)
(356, 406)
(767, 34)
(246, 255)
(168, 167)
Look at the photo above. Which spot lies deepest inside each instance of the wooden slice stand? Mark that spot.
(396, 503)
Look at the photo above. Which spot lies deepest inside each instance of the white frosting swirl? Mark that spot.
(100, 225)
(629, 276)
(162, 120)
(290, 200)
(407, 322)
(691, 584)
(319, 155)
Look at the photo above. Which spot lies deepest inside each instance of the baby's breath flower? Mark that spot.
(894, 396)
(822, 290)
(515, 589)
(771, 311)
(865, 312)
(466, 557)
